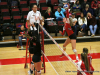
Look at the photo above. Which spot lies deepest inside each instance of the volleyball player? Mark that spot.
(71, 39)
(83, 64)
(35, 50)
(34, 19)
(91, 69)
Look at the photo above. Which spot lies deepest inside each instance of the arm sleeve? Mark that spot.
(63, 10)
(85, 21)
(79, 22)
(57, 15)
(62, 14)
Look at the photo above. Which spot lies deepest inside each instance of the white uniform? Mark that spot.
(34, 18)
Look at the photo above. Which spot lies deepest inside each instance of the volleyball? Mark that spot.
(65, 6)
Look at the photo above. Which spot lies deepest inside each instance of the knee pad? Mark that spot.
(39, 71)
(74, 50)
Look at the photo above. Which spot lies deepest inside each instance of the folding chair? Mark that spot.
(23, 4)
(55, 8)
(6, 19)
(25, 11)
(5, 12)
(15, 12)
(42, 3)
(17, 19)
(54, 2)
(3, 5)
(43, 10)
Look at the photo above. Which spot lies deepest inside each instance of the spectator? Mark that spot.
(92, 23)
(87, 9)
(94, 5)
(98, 12)
(73, 22)
(59, 14)
(77, 7)
(82, 21)
(63, 1)
(21, 35)
(48, 14)
(84, 4)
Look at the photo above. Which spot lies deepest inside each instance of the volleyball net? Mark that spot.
(62, 66)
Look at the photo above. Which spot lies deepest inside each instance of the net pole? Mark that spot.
(62, 50)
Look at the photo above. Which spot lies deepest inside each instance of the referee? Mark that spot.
(33, 20)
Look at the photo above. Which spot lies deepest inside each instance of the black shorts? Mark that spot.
(36, 58)
(73, 36)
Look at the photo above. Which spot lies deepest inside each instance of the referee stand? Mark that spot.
(29, 59)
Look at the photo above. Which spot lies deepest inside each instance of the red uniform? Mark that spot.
(68, 29)
(82, 66)
(90, 65)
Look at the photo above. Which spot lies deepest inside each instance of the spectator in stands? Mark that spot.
(48, 14)
(83, 5)
(98, 12)
(82, 21)
(21, 33)
(73, 22)
(92, 23)
(77, 7)
(94, 5)
(59, 14)
(63, 1)
(87, 9)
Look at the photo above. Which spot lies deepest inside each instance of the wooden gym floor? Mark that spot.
(12, 59)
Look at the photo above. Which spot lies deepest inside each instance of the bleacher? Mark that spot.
(13, 16)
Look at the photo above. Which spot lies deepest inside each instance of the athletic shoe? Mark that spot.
(76, 61)
(30, 72)
(92, 35)
(62, 55)
(21, 47)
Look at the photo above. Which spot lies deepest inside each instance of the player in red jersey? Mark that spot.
(71, 39)
(83, 64)
(91, 69)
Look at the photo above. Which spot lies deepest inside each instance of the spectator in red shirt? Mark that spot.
(94, 5)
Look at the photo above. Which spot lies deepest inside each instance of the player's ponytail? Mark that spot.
(85, 60)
